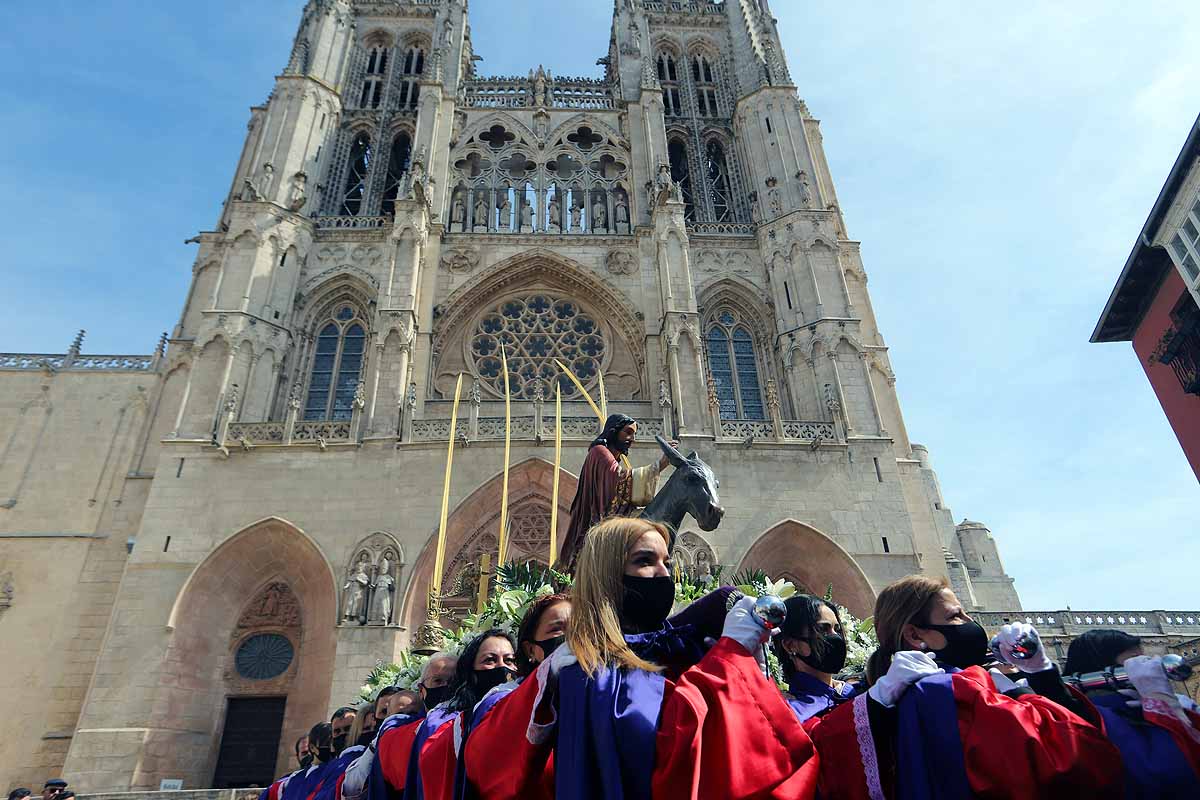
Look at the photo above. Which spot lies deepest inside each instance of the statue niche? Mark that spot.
(695, 558)
(372, 578)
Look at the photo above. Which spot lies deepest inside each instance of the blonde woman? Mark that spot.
(630, 707)
(935, 724)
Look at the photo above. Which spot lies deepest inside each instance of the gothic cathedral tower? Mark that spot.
(399, 226)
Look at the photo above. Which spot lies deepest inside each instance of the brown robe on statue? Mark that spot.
(606, 489)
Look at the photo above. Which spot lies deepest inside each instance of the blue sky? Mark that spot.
(997, 165)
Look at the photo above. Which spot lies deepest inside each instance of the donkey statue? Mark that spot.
(691, 489)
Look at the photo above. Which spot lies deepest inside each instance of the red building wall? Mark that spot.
(1182, 409)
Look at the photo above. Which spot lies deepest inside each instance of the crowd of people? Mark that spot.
(602, 695)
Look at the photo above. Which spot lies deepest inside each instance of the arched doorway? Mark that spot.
(813, 561)
(254, 622)
(472, 527)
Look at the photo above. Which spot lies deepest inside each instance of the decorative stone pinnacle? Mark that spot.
(77, 345)
(161, 350)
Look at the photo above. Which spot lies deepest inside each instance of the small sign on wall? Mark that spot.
(170, 784)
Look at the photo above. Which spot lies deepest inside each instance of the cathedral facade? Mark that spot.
(217, 542)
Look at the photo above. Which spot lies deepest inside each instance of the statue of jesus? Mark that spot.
(607, 488)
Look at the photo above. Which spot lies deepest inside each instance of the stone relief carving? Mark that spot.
(369, 592)
(275, 605)
(695, 557)
(460, 260)
(363, 254)
(621, 262)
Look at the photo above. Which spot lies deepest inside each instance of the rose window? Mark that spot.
(535, 331)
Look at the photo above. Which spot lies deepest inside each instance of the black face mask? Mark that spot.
(488, 679)
(365, 738)
(832, 649)
(324, 754)
(339, 743)
(306, 762)
(436, 695)
(550, 645)
(647, 602)
(966, 644)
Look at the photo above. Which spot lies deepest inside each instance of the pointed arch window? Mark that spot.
(680, 173)
(412, 68)
(357, 171)
(336, 366)
(668, 78)
(733, 364)
(397, 167)
(718, 181)
(375, 77)
(705, 83)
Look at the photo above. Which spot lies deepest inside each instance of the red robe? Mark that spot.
(393, 750)
(1025, 748)
(438, 761)
(604, 490)
(500, 738)
(724, 732)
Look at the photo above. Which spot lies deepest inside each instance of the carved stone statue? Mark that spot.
(526, 215)
(539, 87)
(458, 213)
(621, 214)
(384, 590)
(502, 207)
(296, 195)
(265, 178)
(805, 190)
(776, 203)
(665, 188)
(755, 209)
(599, 215)
(555, 213)
(577, 218)
(356, 592)
(481, 213)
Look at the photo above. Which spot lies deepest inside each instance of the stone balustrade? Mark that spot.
(518, 92)
(184, 794)
(788, 430)
(352, 223)
(90, 363)
(683, 7)
(1072, 623)
(721, 229)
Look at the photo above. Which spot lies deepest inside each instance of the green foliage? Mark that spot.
(531, 577)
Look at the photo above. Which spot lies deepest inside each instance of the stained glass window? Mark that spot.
(535, 330)
(264, 656)
(336, 367)
(733, 365)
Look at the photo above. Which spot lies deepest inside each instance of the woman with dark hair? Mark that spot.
(811, 648)
(1157, 734)
(543, 629)
(486, 663)
(1100, 649)
(632, 706)
(934, 723)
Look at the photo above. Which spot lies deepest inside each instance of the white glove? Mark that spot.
(1005, 684)
(908, 667)
(746, 628)
(1147, 676)
(1007, 639)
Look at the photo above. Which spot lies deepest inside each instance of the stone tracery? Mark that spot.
(579, 185)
